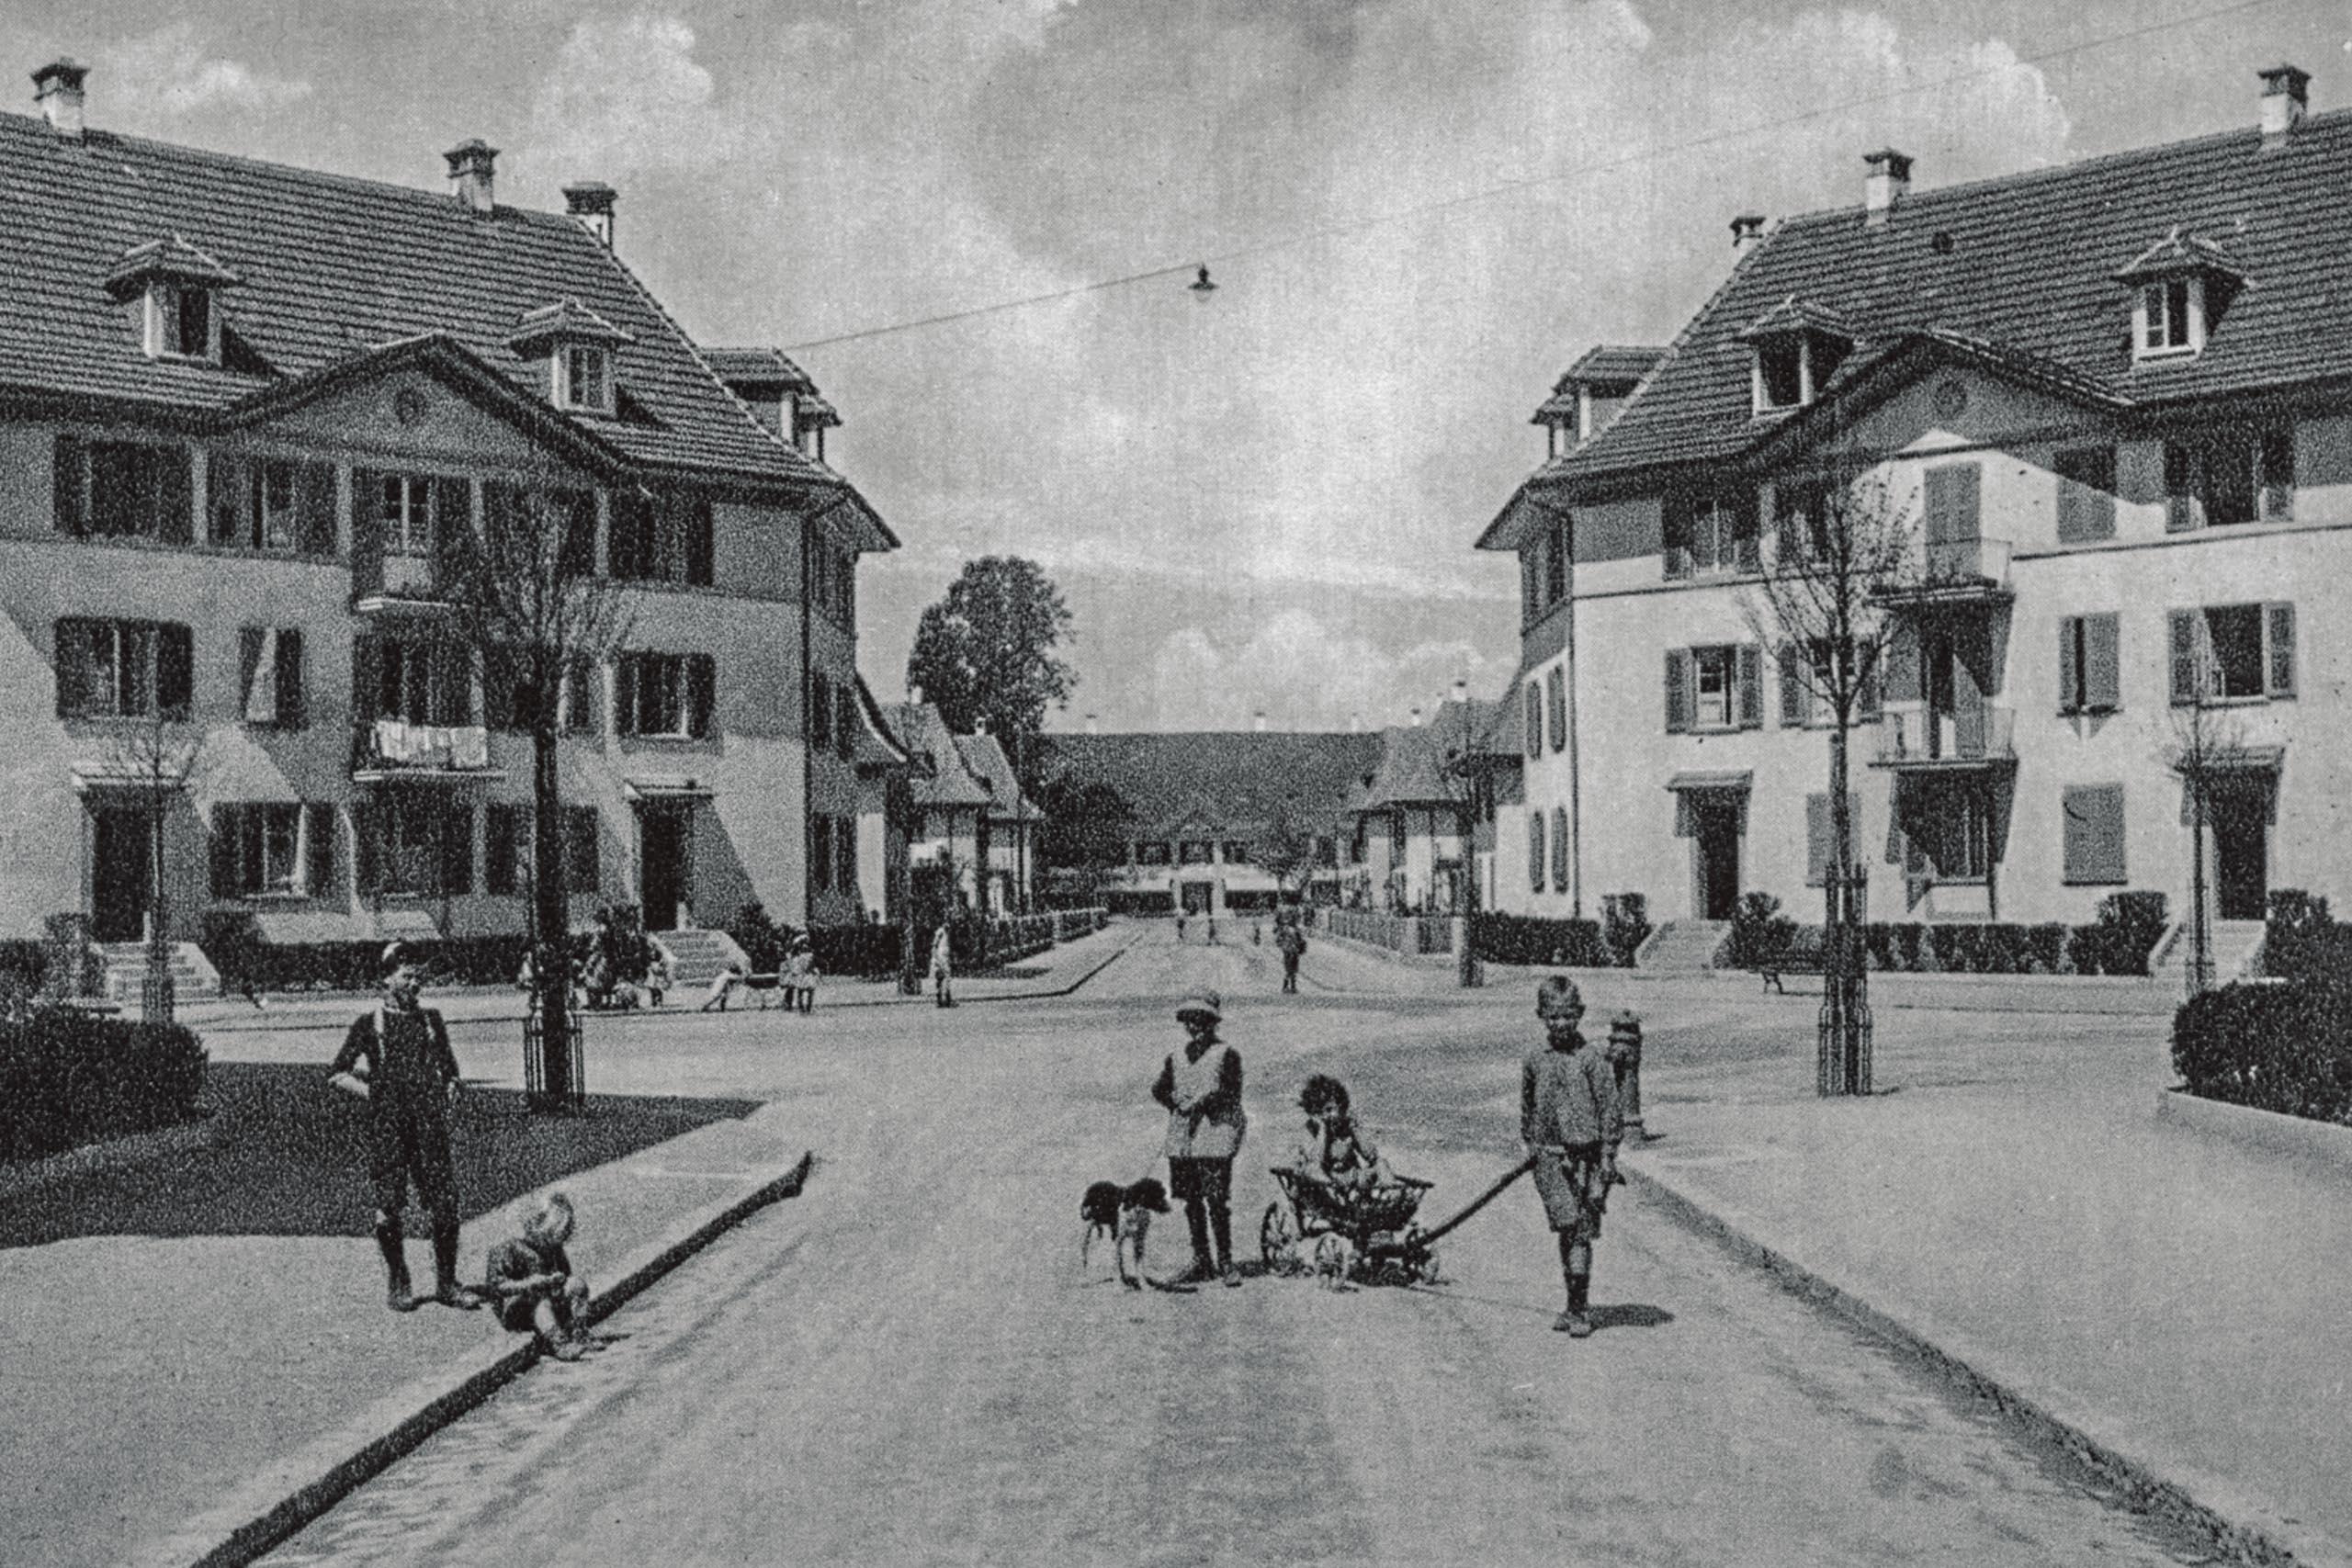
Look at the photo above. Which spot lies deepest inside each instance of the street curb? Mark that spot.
(289, 1494)
(1108, 959)
(2246, 1530)
(2249, 1126)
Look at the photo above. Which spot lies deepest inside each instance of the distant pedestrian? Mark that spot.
(800, 975)
(723, 986)
(943, 968)
(531, 1278)
(1291, 942)
(1180, 925)
(396, 1056)
(657, 979)
(1568, 1119)
(1625, 1058)
(1201, 1086)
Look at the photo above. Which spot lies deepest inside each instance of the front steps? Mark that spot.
(125, 966)
(1682, 947)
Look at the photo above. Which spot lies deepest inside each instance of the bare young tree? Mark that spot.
(2208, 745)
(1844, 543)
(535, 611)
(157, 768)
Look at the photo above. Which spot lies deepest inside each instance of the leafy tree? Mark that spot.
(1085, 829)
(987, 653)
(1286, 849)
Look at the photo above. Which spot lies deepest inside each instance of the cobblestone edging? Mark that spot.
(289, 1494)
(2298, 1137)
(2238, 1525)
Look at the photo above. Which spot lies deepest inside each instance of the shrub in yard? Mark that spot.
(1536, 939)
(1759, 932)
(1624, 924)
(2128, 927)
(2304, 942)
(763, 941)
(2283, 1047)
(68, 1077)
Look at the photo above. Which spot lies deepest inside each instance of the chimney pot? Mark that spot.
(914, 695)
(57, 88)
(1258, 721)
(1889, 178)
(1093, 727)
(2286, 94)
(1460, 689)
(472, 165)
(591, 201)
(1416, 718)
(1746, 230)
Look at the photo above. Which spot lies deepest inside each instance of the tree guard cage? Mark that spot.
(573, 1092)
(1843, 1064)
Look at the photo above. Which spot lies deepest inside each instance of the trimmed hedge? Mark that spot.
(1625, 925)
(2284, 1047)
(247, 962)
(1533, 940)
(69, 1076)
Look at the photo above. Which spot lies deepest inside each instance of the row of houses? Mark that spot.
(251, 417)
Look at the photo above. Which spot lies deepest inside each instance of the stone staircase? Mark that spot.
(696, 956)
(126, 967)
(2237, 952)
(1682, 947)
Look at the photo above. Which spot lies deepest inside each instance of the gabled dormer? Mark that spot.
(173, 291)
(1589, 392)
(2180, 287)
(577, 347)
(1795, 347)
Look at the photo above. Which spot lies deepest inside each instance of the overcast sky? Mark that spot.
(1268, 500)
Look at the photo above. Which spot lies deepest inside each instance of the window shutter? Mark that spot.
(624, 674)
(1677, 536)
(845, 720)
(583, 864)
(2102, 667)
(225, 857)
(1747, 670)
(1534, 720)
(2093, 834)
(253, 646)
(2186, 647)
(2182, 512)
(455, 546)
(845, 845)
(316, 507)
(175, 493)
(1559, 849)
(458, 849)
(71, 657)
(1868, 708)
(1747, 532)
(1536, 850)
(503, 690)
(702, 693)
(1816, 840)
(1794, 708)
(1901, 660)
(175, 670)
(366, 825)
(293, 703)
(701, 544)
(821, 853)
(1678, 690)
(367, 530)
(319, 834)
(2086, 494)
(1528, 580)
(820, 711)
(1555, 701)
(2278, 476)
(2070, 664)
(2280, 621)
(68, 485)
(628, 524)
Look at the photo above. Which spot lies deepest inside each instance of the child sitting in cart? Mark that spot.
(1335, 1152)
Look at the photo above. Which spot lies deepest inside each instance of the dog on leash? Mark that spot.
(1121, 1216)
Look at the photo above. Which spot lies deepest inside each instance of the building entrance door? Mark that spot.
(2242, 849)
(121, 866)
(665, 864)
(1196, 897)
(1714, 850)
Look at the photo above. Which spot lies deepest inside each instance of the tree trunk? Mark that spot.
(551, 914)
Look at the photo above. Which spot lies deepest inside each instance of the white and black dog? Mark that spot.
(1122, 1214)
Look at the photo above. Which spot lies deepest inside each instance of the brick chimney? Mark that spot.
(2286, 96)
(57, 88)
(472, 165)
(590, 202)
(1747, 232)
(1889, 178)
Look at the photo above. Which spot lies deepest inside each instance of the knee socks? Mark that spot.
(1221, 1220)
(1196, 1220)
(388, 1242)
(444, 1250)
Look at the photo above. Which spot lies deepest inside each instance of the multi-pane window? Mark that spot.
(182, 321)
(666, 536)
(506, 850)
(2228, 476)
(417, 681)
(405, 514)
(1791, 367)
(832, 580)
(123, 489)
(523, 527)
(1711, 534)
(2232, 653)
(584, 378)
(2089, 669)
(1556, 566)
(264, 848)
(1151, 852)
(271, 676)
(270, 504)
(1196, 851)
(124, 669)
(845, 854)
(417, 844)
(1809, 674)
(666, 694)
(1946, 823)
(1235, 852)
(2171, 316)
(2086, 494)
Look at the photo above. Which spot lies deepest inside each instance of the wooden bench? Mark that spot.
(1795, 960)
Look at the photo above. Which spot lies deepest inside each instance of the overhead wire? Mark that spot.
(1652, 153)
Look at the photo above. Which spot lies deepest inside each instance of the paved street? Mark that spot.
(905, 1365)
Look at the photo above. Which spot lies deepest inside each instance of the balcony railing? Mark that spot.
(399, 584)
(395, 748)
(1930, 738)
(1954, 569)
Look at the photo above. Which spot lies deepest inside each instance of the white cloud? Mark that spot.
(174, 71)
(1303, 673)
(629, 93)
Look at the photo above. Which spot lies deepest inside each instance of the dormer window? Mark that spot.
(577, 346)
(1797, 347)
(170, 286)
(2180, 287)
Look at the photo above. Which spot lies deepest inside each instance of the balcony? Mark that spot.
(1951, 571)
(399, 585)
(1924, 740)
(392, 750)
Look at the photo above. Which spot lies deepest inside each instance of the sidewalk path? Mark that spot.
(2018, 1203)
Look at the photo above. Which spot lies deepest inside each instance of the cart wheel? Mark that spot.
(1278, 1240)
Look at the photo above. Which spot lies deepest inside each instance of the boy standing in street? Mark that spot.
(1201, 1086)
(397, 1059)
(1569, 1121)
(1292, 943)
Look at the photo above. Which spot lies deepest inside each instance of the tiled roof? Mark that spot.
(877, 745)
(2026, 265)
(984, 758)
(950, 782)
(1796, 315)
(1612, 365)
(1238, 780)
(331, 268)
(171, 256)
(759, 367)
(1424, 764)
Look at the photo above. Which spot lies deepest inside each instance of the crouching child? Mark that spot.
(531, 1279)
